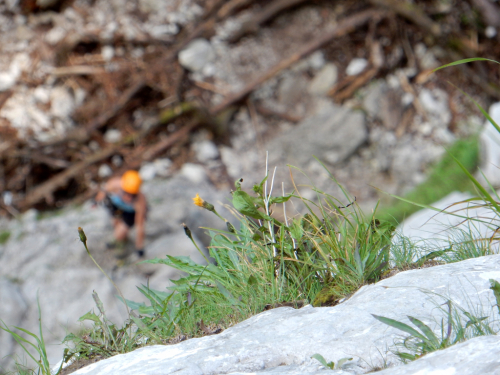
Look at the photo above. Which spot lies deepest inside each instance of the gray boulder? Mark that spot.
(283, 340)
(332, 135)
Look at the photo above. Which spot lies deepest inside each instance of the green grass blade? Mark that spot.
(483, 111)
(480, 187)
(464, 61)
(402, 326)
(426, 331)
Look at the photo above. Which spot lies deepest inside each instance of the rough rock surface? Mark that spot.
(479, 355)
(287, 337)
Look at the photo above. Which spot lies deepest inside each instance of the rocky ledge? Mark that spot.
(284, 339)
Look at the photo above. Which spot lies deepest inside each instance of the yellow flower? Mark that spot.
(198, 201)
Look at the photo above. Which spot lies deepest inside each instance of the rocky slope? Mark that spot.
(66, 71)
(281, 341)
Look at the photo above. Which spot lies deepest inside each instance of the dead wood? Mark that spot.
(136, 158)
(4, 96)
(282, 115)
(269, 12)
(76, 70)
(489, 11)
(343, 27)
(411, 12)
(120, 103)
(231, 7)
(347, 87)
(47, 188)
(206, 29)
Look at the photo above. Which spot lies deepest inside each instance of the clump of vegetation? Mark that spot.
(457, 326)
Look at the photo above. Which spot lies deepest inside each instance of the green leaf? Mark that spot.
(426, 331)
(406, 356)
(134, 305)
(431, 256)
(464, 61)
(252, 280)
(296, 229)
(70, 337)
(402, 326)
(245, 204)
(322, 360)
(226, 293)
(259, 189)
(274, 200)
(473, 320)
(480, 187)
(90, 316)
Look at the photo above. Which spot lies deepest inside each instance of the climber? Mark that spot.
(128, 206)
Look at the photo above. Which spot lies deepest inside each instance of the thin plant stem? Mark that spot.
(190, 236)
(286, 219)
(83, 239)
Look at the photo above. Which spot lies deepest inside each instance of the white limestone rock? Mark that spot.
(324, 80)
(281, 340)
(112, 135)
(104, 171)
(356, 66)
(197, 55)
(332, 135)
(193, 172)
(205, 151)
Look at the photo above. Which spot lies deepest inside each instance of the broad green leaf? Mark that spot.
(402, 326)
(90, 316)
(69, 337)
(259, 189)
(146, 310)
(322, 360)
(252, 280)
(426, 331)
(134, 305)
(226, 293)
(274, 200)
(296, 229)
(245, 204)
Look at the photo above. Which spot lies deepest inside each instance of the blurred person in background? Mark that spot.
(123, 198)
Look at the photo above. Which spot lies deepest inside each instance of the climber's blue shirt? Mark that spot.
(120, 204)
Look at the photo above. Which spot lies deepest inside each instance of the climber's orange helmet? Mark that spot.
(131, 182)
